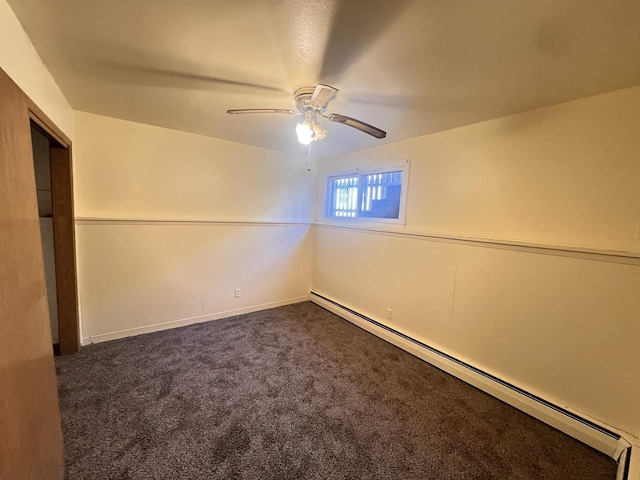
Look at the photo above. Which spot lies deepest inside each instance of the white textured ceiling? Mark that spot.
(410, 67)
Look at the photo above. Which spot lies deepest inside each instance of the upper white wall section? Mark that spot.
(22, 63)
(566, 174)
(131, 170)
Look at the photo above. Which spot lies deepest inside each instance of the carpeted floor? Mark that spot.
(293, 393)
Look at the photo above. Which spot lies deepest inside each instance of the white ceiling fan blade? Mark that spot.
(322, 95)
(261, 110)
(358, 124)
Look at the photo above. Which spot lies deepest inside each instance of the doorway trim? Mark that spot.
(63, 231)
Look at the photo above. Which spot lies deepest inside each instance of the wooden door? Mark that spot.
(30, 433)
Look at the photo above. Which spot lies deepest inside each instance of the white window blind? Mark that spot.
(344, 196)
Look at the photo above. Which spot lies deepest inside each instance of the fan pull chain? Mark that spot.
(309, 159)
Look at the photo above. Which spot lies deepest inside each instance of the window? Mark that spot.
(375, 195)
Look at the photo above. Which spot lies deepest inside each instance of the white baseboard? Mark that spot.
(105, 337)
(561, 418)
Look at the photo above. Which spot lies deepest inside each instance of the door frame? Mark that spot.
(63, 230)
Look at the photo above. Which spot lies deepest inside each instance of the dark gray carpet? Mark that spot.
(293, 393)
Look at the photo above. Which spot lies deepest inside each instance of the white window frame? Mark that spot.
(403, 166)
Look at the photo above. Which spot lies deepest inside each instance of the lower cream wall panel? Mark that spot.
(134, 276)
(561, 327)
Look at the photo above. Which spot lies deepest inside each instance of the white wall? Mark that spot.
(559, 324)
(209, 216)
(22, 63)
(48, 254)
(130, 170)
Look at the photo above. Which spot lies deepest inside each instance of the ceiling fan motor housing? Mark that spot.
(303, 99)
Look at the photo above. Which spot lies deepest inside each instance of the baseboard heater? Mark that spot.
(571, 415)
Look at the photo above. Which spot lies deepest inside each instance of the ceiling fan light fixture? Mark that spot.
(305, 132)
(319, 132)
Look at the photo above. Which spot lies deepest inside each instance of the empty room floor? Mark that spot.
(293, 393)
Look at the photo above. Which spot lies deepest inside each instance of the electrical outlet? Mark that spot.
(388, 314)
(237, 293)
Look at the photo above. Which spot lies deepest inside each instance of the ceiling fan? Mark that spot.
(311, 102)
